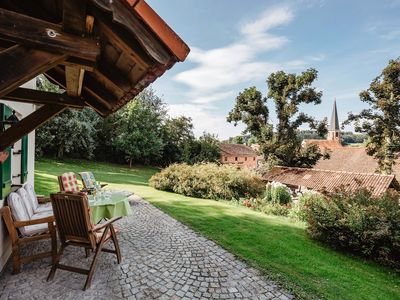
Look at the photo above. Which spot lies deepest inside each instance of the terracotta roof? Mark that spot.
(237, 149)
(324, 144)
(352, 159)
(329, 181)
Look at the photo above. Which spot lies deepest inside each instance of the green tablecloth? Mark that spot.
(109, 204)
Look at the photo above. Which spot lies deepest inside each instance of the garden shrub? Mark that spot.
(298, 208)
(358, 223)
(208, 180)
(275, 209)
(277, 193)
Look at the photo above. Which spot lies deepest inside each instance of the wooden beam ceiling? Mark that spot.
(39, 34)
(41, 97)
(19, 64)
(74, 21)
(28, 124)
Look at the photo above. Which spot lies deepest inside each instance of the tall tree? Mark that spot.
(139, 128)
(204, 149)
(281, 145)
(177, 132)
(381, 122)
(70, 133)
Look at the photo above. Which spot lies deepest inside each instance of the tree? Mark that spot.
(139, 128)
(177, 132)
(381, 122)
(281, 145)
(204, 149)
(71, 132)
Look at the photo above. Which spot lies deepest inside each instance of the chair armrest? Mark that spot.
(49, 219)
(105, 224)
(42, 199)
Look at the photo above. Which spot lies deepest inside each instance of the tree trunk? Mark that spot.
(130, 162)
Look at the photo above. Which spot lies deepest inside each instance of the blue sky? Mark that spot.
(236, 44)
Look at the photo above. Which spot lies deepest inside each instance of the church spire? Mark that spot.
(334, 125)
(334, 128)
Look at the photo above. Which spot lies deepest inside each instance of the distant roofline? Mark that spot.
(333, 171)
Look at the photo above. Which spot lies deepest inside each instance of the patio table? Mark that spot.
(109, 204)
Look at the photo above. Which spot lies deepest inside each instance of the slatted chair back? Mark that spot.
(73, 221)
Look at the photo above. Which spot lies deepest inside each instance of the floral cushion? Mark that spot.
(69, 182)
(89, 181)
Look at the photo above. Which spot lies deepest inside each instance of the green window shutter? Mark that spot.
(24, 159)
(5, 167)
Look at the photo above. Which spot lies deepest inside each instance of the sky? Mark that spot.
(236, 44)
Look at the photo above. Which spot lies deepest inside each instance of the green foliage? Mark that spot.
(208, 180)
(298, 210)
(69, 133)
(381, 121)
(277, 193)
(140, 132)
(177, 134)
(139, 128)
(358, 223)
(204, 149)
(281, 145)
(274, 209)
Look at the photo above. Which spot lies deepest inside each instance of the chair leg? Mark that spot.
(56, 262)
(53, 243)
(87, 252)
(16, 259)
(95, 259)
(116, 244)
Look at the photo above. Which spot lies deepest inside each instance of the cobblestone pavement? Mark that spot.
(162, 259)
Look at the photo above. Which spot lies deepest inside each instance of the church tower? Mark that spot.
(334, 129)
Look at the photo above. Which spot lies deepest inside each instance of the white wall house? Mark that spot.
(19, 167)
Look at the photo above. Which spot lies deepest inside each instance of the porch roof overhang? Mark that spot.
(101, 52)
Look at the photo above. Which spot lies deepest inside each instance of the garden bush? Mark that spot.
(358, 223)
(298, 210)
(277, 193)
(208, 180)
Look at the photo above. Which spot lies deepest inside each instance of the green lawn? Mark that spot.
(277, 246)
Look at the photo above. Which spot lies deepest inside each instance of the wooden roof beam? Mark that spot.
(76, 22)
(40, 97)
(28, 124)
(39, 34)
(19, 64)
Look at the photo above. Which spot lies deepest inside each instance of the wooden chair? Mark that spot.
(75, 228)
(69, 183)
(24, 228)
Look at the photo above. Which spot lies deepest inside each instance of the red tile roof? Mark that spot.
(329, 181)
(324, 144)
(352, 159)
(237, 149)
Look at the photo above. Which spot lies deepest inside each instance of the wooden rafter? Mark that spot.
(43, 35)
(19, 64)
(28, 124)
(74, 21)
(41, 97)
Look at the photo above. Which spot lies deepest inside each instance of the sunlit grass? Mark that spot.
(277, 246)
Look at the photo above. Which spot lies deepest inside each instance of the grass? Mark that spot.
(277, 246)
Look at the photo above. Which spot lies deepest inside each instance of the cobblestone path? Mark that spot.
(162, 259)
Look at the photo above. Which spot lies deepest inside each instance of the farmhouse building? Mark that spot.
(239, 155)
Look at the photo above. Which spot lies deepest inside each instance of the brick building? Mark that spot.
(239, 155)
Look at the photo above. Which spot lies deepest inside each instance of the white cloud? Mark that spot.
(218, 72)
(236, 63)
(205, 120)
